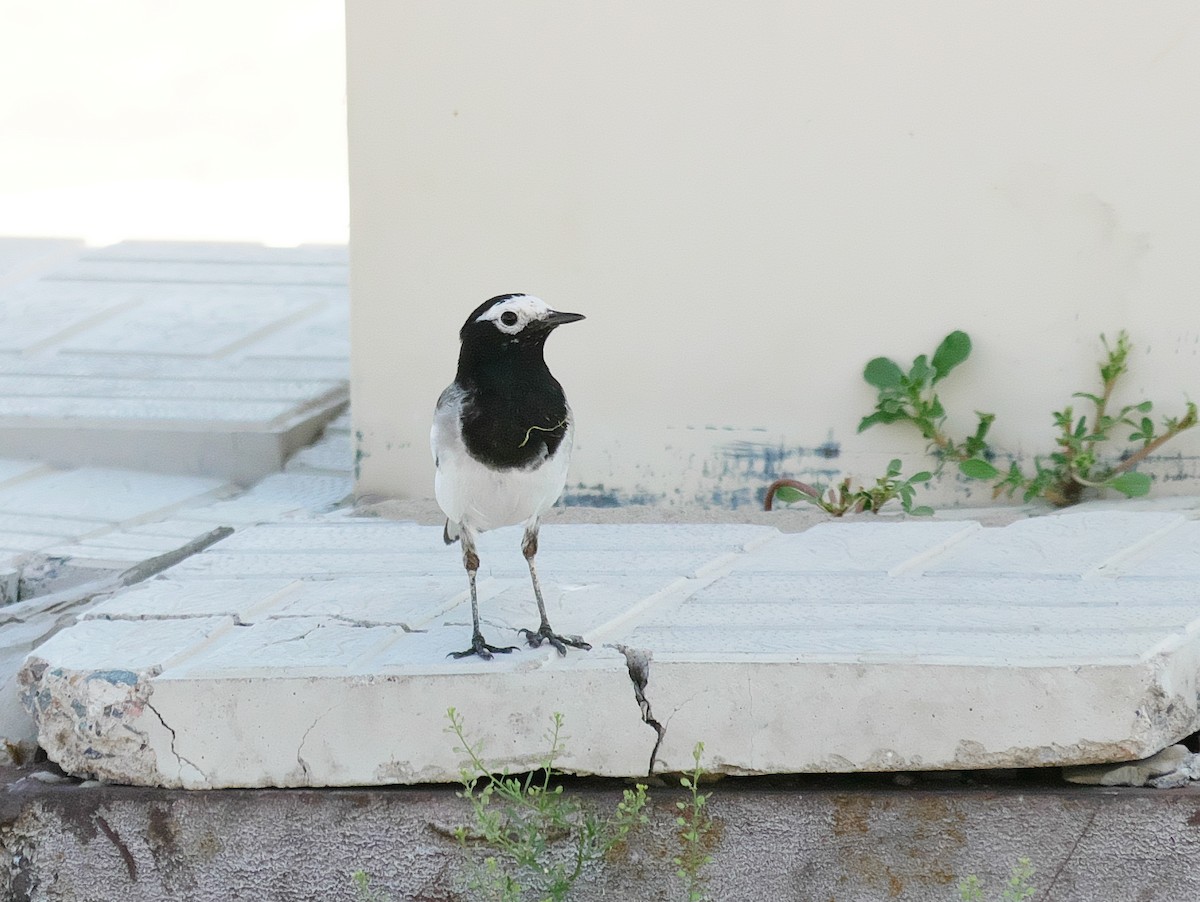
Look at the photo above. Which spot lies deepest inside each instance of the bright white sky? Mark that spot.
(143, 119)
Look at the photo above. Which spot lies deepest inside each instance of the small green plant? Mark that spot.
(844, 496)
(362, 888)
(695, 826)
(1060, 477)
(527, 839)
(1017, 889)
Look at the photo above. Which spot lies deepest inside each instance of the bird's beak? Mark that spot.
(554, 318)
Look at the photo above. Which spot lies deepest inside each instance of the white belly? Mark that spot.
(483, 499)
(479, 498)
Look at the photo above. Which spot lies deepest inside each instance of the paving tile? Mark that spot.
(398, 600)
(104, 494)
(24, 258)
(20, 541)
(325, 334)
(50, 386)
(299, 646)
(34, 317)
(330, 453)
(94, 646)
(235, 369)
(301, 490)
(1068, 546)
(188, 413)
(1175, 556)
(174, 358)
(166, 599)
(236, 272)
(60, 527)
(858, 547)
(16, 470)
(195, 321)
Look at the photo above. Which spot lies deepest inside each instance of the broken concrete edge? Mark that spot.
(141, 727)
(60, 609)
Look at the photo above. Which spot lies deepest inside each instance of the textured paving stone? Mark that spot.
(114, 496)
(173, 358)
(320, 651)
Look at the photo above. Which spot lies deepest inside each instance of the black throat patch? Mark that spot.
(514, 413)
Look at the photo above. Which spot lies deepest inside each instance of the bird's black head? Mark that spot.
(519, 320)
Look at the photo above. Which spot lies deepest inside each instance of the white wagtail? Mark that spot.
(501, 442)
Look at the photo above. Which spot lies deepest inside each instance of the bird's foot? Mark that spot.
(545, 634)
(481, 648)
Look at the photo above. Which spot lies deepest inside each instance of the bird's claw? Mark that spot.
(535, 638)
(482, 649)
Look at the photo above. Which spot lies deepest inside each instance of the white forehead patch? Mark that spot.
(524, 307)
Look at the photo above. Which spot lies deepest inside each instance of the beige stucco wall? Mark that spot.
(750, 200)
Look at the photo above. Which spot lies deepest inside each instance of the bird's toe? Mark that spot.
(482, 649)
(535, 638)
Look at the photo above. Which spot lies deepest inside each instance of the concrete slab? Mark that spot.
(864, 646)
(197, 359)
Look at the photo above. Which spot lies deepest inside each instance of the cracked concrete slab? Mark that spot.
(857, 646)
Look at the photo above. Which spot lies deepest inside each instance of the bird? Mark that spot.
(501, 440)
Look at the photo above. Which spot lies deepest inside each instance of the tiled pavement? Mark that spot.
(171, 357)
(315, 652)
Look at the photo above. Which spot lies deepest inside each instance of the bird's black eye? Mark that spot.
(508, 318)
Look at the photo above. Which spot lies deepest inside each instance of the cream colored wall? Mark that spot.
(750, 200)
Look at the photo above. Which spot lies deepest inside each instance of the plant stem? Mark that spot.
(1142, 453)
(791, 484)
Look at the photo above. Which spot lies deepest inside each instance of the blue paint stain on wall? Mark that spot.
(773, 461)
(599, 496)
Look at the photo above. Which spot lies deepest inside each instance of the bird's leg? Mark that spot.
(543, 633)
(478, 646)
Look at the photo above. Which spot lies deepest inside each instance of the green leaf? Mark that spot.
(954, 349)
(923, 476)
(922, 511)
(789, 495)
(978, 469)
(883, 373)
(893, 467)
(1131, 485)
(919, 372)
(880, 416)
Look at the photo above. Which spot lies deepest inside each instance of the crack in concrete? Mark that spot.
(1071, 852)
(174, 750)
(638, 662)
(303, 739)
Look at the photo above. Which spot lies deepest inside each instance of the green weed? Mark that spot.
(1017, 889)
(527, 839)
(1081, 459)
(695, 829)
